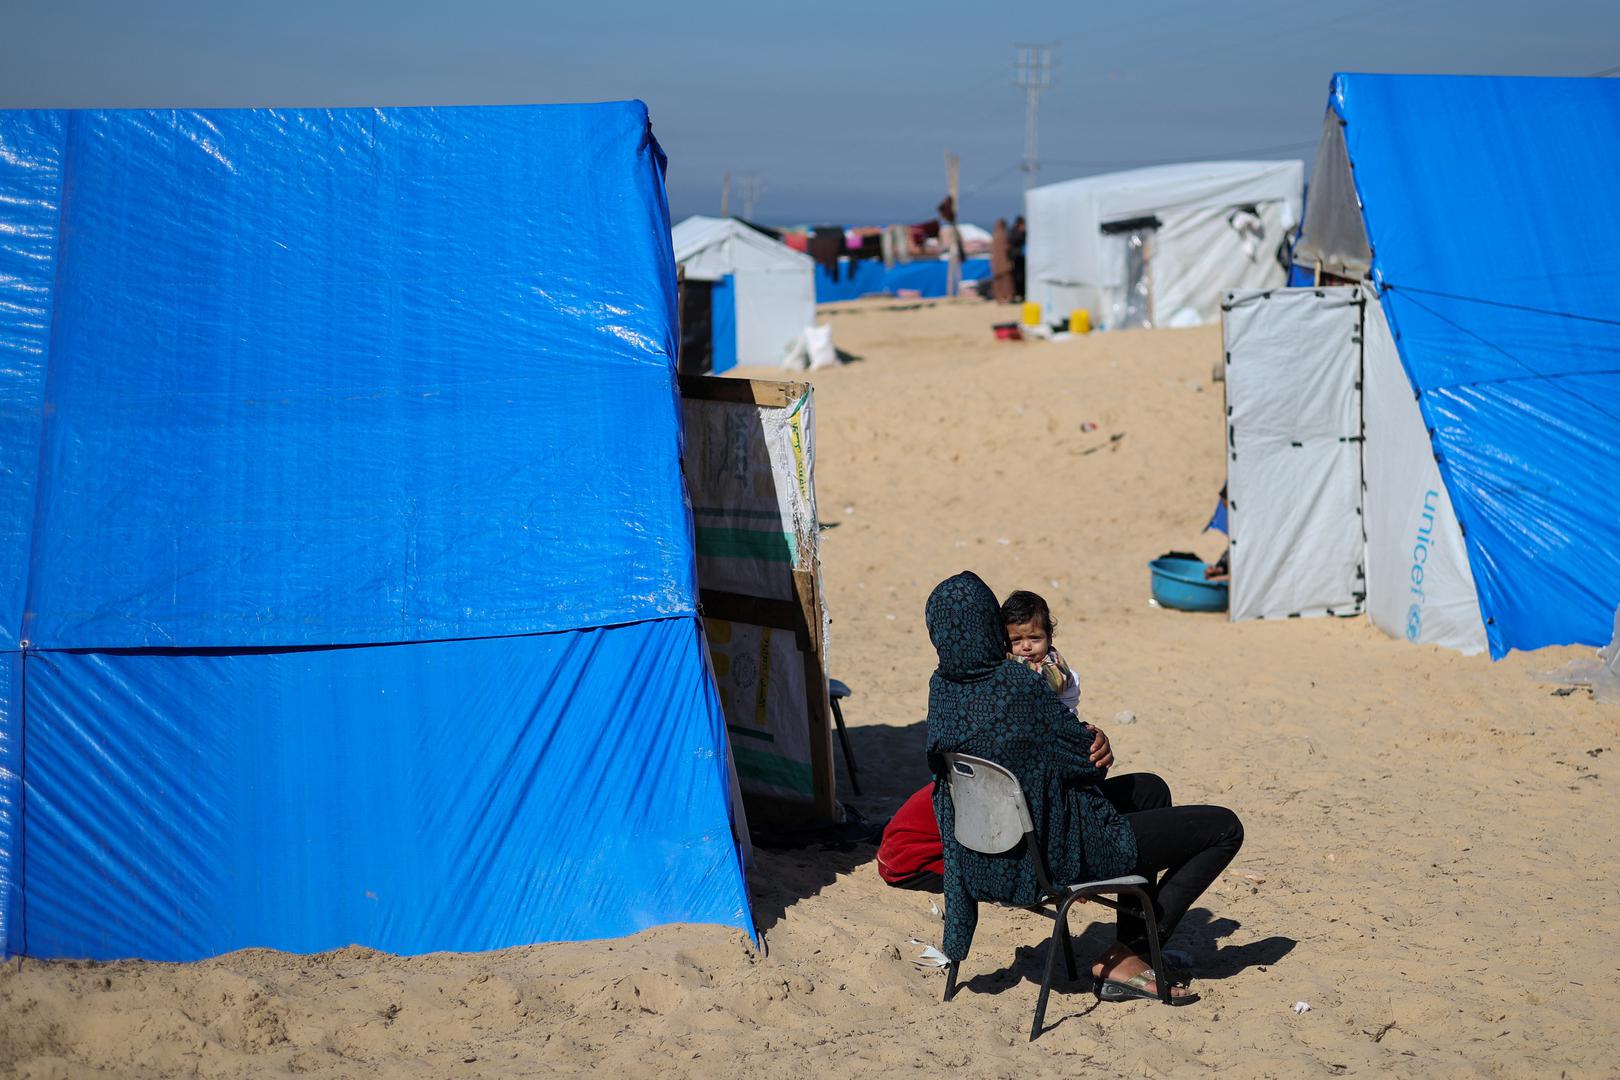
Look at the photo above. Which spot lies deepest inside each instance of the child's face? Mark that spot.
(1030, 641)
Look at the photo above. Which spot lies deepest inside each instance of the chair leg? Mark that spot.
(1161, 977)
(950, 981)
(1060, 940)
(1046, 987)
(1068, 948)
(843, 739)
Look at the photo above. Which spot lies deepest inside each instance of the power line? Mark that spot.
(1141, 162)
(974, 189)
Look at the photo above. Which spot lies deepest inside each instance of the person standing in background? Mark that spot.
(1001, 264)
(1015, 241)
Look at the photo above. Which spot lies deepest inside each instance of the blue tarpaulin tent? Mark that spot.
(1482, 210)
(347, 574)
(868, 277)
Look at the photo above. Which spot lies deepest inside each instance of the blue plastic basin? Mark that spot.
(1180, 584)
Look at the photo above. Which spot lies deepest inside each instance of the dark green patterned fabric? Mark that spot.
(983, 704)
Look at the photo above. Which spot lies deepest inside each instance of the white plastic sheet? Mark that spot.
(1419, 584)
(1293, 455)
(1199, 254)
(1073, 264)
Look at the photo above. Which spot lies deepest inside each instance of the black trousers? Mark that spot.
(1181, 850)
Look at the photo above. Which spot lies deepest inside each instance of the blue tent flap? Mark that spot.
(723, 325)
(867, 277)
(1489, 210)
(453, 795)
(259, 314)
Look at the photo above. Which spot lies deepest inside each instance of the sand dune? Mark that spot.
(1431, 838)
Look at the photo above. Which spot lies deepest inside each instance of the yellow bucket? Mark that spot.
(1079, 321)
(1032, 313)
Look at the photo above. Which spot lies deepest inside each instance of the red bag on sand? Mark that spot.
(911, 855)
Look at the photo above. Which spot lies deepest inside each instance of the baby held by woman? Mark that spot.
(1030, 630)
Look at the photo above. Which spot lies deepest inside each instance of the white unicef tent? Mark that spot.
(1157, 246)
(1336, 503)
(1430, 442)
(764, 292)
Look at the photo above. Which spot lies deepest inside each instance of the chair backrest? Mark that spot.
(991, 814)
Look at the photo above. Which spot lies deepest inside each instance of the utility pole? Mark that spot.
(725, 194)
(1034, 65)
(953, 263)
(752, 190)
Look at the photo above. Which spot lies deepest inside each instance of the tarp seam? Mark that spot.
(267, 650)
(1392, 287)
(1461, 508)
(1541, 376)
(35, 525)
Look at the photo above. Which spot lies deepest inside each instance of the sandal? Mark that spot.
(1141, 986)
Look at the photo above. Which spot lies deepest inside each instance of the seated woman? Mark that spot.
(1091, 826)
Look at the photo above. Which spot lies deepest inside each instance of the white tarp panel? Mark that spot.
(773, 308)
(1293, 465)
(1419, 584)
(1072, 263)
(1199, 254)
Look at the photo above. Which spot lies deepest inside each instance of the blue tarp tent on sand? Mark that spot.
(868, 277)
(347, 572)
(1476, 214)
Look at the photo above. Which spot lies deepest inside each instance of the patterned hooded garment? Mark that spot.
(981, 703)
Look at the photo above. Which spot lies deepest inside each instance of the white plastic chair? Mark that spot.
(991, 817)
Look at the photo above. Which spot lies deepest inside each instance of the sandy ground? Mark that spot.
(1431, 838)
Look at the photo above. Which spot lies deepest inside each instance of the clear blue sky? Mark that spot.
(845, 108)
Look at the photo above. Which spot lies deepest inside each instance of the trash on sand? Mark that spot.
(1601, 674)
(1112, 443)
(1124, 716)
(930, 957)
(934, 910)
(1087, 425)
(1302, 1007)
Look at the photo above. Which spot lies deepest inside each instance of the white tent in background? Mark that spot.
(762, 293)
(1159, 246)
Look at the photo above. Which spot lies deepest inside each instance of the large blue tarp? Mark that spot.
(868, 277)
(1490, 211)
(282, 391)
(258, 314)
(452, 795)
